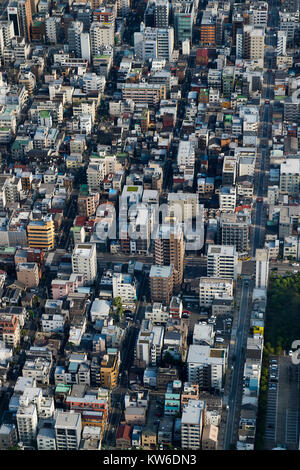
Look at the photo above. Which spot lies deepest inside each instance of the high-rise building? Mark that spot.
(84, 261)
(261, 268)
(208, 29)
(27, 422)
(254, 42)
(235, 230)
(41, 233)
(162, 13)
(68, 430)
(161, 283)
(281, 42)
(229, 172)
(184, 18)
(101, 34)
(51, 25)
(227, 198)
(154, 43)
(124, 286)
(222, 261)
(6, 34)
(85, 46)
(258, 15)
(149, 343)
(290, 176)
(13, 15)
(206, 366)
(192, 422)
(169, 250)
(74, 33)
(25, 18)
(212, 288)
(109, 370)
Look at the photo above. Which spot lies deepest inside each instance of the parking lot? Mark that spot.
(288, 404)
(282, 418)
(272, 402)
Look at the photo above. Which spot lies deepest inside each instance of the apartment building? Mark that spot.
(290, 176)
(227, 198)
(192, 424)
(254, 42)
(68, 430)
(109, 370)
(41, 234)
(101, 34)
(161, 283)
(9, 330)
(27, 423)
(84, 261)
(222, 261)
(28, 274)
(149, 344)
(261, 268)
(235, 230)
(206, 366)
(214, 288)
(145, 93)
(169, 250)
(124, 286)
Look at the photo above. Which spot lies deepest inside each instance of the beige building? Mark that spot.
(254, 42)
(135, 415)
(210, 437)
(149, 439)
(28, 274)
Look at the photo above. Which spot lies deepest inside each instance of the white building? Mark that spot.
(100, 310)
(206, 366)
(27, 421)
(157, 313)
(154, 43)
(85, 46)
(46, 439)
(192, 422)
(101, 34)
(68, 431)
(227, 198)
(290, 176)
(281, 43)
(186, 154)
(222, 261)
(262, 268)
(51, 24)
(124, 286)
(84, 261)
(203, 334)
(214, 288)
(52, 323)
(149, 343)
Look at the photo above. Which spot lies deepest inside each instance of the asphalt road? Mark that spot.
(234, 397)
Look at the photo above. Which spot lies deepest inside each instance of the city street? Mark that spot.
(240, 331)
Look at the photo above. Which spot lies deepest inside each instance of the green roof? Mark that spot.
(62, 388)
(44, 114)
(84, 190)
(132, 188)
(77, 228)
(8, 249)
